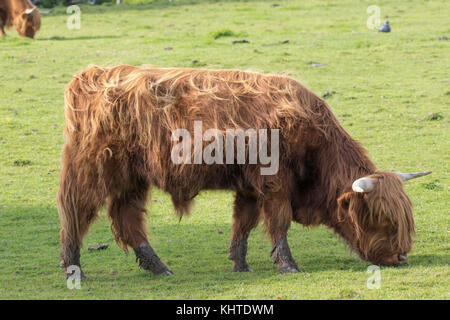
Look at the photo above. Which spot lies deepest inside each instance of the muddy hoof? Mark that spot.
(161, 271)
(82, 276)
(158, 270)
(166, 273)
(242, 269)
(149, 260)
(285, 268)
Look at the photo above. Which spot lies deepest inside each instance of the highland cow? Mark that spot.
(22, 14)
(119, 139)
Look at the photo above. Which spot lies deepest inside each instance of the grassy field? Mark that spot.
(390, 91)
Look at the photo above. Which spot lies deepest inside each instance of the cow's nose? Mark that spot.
(402, 259)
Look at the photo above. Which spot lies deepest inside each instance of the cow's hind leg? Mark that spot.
(246, 216)
(79, 199)
(2, 24)
(2, 30)
(277, 218)
(3, 19)
(126, 210)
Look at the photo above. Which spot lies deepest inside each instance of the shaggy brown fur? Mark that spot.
(118, 144)
(13, 12)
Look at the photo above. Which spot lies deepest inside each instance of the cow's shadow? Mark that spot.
(61, 38)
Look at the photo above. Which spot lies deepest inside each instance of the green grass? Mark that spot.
(390, 91)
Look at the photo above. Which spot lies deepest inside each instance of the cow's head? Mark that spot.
(380, 215)
(28, 22)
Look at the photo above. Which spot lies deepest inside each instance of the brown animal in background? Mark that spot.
(118, 145)
(22, 14)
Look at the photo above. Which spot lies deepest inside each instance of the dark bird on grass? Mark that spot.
(385, 27)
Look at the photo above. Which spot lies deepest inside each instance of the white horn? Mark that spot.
(363, 185)
(28, 11)
(409, 176)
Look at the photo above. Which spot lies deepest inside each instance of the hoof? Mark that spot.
(148, 260)
(242, 269)
(166, 272)
(285, 268)
(82, 276)
(402, 260)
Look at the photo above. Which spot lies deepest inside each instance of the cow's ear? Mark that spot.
(344, 200)
(25, 15)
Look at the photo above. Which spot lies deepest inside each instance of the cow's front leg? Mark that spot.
(245, 218)
(282, 257)
(277, 219)
(238, 253)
